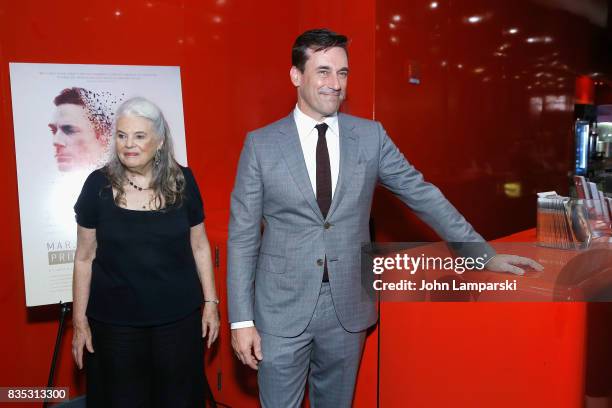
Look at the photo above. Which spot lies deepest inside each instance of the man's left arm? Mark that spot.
(429, 204)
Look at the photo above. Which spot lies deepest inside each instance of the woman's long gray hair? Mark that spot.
(168, 181)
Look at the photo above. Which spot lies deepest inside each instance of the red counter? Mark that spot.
(482, 354)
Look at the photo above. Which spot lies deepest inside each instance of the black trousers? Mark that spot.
(160, 366)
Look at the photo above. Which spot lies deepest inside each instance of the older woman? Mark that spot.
(142, 271)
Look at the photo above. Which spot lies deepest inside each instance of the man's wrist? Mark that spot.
(241, 325)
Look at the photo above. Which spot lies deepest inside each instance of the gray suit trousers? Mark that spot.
(325, 353)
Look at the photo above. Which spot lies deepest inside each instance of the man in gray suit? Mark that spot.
(294, 287)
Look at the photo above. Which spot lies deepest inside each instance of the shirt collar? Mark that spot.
(306, 124)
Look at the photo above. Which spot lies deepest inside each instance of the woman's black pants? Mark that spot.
(159, 366)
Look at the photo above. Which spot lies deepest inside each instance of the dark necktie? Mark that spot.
(324, 184)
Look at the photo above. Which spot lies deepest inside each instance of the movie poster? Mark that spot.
(63, 118)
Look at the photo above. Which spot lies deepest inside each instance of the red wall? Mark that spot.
(469, 126)
(235, 57)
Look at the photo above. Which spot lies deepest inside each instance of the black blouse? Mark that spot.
(144, 272)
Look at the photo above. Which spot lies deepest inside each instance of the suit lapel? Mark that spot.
(294, 157)
(348, 160)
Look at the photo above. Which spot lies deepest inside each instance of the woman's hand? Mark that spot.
(80, 339)
(210, 322)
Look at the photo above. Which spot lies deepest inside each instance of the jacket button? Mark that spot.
(320, 262)
(327, 225)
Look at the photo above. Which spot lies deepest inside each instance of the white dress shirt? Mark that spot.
(308, 140)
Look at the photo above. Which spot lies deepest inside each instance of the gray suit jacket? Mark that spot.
(274, 275)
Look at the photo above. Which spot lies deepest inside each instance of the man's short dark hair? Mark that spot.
(73, 96)
(316, 40)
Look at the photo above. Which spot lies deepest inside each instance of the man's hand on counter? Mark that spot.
(512, 264)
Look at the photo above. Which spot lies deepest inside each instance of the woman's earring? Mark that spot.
(157, 158)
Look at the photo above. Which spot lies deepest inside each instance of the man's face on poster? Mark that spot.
(74, 138)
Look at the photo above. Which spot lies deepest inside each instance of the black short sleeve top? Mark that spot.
(144, 272)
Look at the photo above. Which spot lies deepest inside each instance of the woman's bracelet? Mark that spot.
(215, 301)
